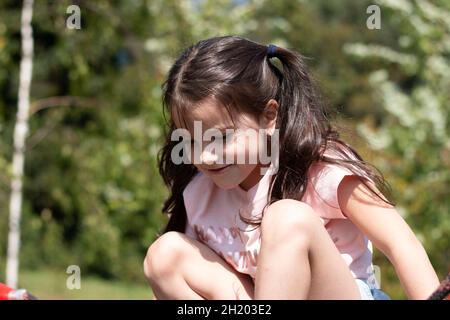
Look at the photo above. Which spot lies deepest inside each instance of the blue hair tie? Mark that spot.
(271, 50)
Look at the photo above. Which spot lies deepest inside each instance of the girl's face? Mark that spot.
(229, 153)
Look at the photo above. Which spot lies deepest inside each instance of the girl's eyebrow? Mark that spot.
(224, 128)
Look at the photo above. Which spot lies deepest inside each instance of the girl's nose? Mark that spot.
(208, 157)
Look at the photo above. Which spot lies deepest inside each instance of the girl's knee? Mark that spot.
(163, 255)
(289, 218)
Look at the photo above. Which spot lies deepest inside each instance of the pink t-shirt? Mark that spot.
(213, 219)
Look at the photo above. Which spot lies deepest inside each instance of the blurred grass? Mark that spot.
(49, 284)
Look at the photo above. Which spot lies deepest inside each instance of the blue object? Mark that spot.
(379, 294)
(271, 50)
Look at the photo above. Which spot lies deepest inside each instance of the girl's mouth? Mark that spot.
(218, 170)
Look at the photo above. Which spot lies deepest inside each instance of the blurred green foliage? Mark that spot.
(92, 193)
(413, 137)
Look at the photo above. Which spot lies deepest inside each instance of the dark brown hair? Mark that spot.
(239, 75)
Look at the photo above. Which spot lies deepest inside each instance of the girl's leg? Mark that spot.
(298, 259)
(178, 267)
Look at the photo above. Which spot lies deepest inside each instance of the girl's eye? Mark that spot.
(223, 137)
(227, 135)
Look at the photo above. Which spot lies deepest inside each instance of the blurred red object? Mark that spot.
(7, 293)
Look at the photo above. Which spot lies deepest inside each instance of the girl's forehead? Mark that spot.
(209, 113)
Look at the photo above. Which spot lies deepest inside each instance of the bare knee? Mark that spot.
(163, 256)
(289, 220)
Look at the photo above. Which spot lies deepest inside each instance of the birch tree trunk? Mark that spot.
(20, 133)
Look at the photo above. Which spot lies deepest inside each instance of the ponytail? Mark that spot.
(302, 124)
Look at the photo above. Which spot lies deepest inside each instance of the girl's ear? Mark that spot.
(269, 116)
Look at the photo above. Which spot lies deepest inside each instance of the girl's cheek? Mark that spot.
(230, 152)
(194, 153)
(254, 146)
(239, 149)
(243, 150)
(191, 154)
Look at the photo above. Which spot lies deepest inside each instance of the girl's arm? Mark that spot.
(384, 226)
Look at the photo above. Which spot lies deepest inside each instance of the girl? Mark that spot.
(301, 227)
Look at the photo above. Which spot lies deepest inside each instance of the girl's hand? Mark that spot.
(389, 232)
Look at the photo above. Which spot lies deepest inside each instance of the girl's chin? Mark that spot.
(229, 178)
(226, 183)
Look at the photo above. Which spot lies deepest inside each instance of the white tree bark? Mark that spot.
(20, 133)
